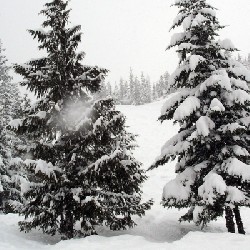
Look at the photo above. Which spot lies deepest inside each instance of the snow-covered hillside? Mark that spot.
(160, 228)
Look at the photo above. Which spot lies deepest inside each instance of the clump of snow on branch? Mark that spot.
(232, 127)
(42, 166)
(204, 124)
(40, 114)
(199, 19)
(234, 195)
(208, 11)
(226, 44)
(240, 96)
(216, 105)
(219, 77)
(235, 167)
(179, 188)
(190, 105)
(176, 38)
(176, 98)
(213, 184)
(194, 60)
(15, 124)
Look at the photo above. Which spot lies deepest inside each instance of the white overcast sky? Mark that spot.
(118, 34)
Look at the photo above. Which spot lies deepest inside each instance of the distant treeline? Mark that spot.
(136, 90)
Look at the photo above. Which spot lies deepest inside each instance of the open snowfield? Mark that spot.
(160, 228)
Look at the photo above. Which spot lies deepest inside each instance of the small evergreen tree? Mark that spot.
(212, 109)
(81, 171)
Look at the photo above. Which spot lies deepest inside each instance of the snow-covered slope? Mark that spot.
(160, 228)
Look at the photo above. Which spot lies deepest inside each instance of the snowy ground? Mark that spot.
(160, 228)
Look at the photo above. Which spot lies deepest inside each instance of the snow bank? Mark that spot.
(188, 239)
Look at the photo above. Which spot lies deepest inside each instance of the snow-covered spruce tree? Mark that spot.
(79, 164)
(212, 109)
(145, 89)
(131, 86)
(103, 178)
(19, 144)
(9, 102)
(137, 92)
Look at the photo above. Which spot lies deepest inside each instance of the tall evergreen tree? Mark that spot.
(154, 93)
(167, 89)
(145, 89)
(137, 96)
(80, 166)
(148, 90)
(160, 87)
(109, 89)
(212, 109)
(126, 97)
(116, 94)
(121, 90)
(131, 86)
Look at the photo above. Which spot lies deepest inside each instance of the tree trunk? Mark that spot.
(69, 225)
(229, 220)
(238, 220)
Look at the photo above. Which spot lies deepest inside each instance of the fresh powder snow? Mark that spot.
(160, 228)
